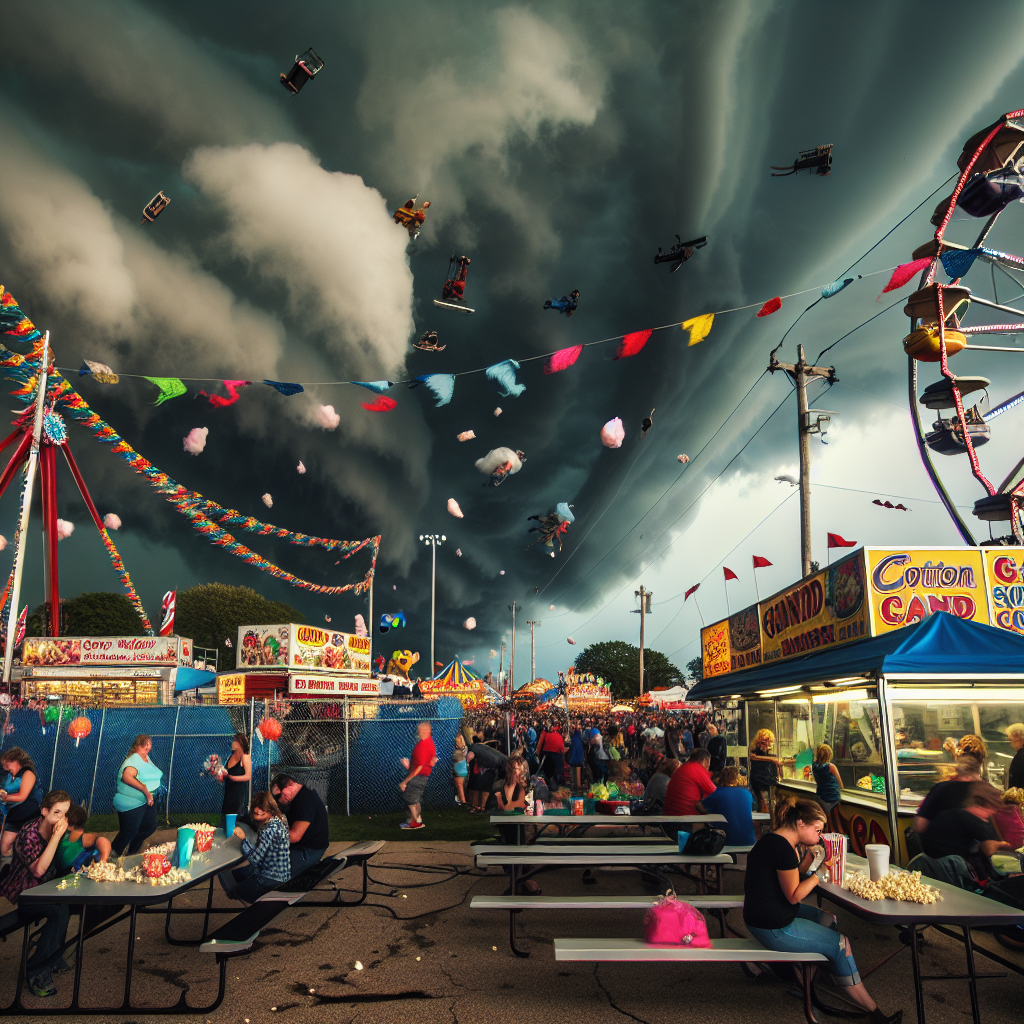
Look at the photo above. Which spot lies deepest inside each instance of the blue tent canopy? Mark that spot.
(942, 643)
(191, 678)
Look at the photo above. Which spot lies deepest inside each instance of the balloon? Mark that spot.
(79, 728)
(270, 729)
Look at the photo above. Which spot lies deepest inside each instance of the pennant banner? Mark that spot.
(504, 374)
(562, 359)
(632, 343)
(170, 387)
(699, 328)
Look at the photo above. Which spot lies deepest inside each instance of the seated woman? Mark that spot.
(734, 800)
(511, 796)
(654, 791)
(775, 884)
(1009, 820)
(269, 860)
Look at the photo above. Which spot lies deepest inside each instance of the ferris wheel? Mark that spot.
(991, 177)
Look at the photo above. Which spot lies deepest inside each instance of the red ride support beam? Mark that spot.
(48, 487)
(17, 459)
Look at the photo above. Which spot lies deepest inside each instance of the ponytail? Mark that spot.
(789, 810)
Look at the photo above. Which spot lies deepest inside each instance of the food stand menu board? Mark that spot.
(231, 689)
(1004, 577)
(306, 685)
(307, 647)
(107, 650)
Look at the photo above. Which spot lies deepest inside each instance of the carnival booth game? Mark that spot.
(889, 656)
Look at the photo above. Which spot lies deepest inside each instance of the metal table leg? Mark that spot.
(514, 870)
(915, 955)
(972, 982)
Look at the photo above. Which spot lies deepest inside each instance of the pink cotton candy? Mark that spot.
(110, 521)
(64, 529)
(453, 508)
(360, 626)
(613, 433)
(195, 441)
(466, 435)
(470, 623)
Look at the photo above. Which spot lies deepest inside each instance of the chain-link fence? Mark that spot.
(349, 752)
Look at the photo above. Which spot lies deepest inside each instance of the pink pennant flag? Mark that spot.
(383, 404)
(771, 306)
(562, 359)
(904, 272)
(632, 343)
(231, 386)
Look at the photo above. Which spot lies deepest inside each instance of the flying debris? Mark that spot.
(498, 410)
(500, 463)
(305, 67)
(551, 607)
(195, 441)
(300, 468)
(458, 552)
(501, 572)
(428, 342)
(683, 458)
(889, 504)
(268, 501)
(817, 160)
(551, 526)
(570, 640)
(613, 433)
(327, 618)
(470, 623)
(680, 252)
(454, 288)
(100, 372)
(566, 304)
(645, 424)
(155, 207)
(785, 478)
(388, 621)
(453, 508)
(111, 521)
(64, 529)
(466, 435)
(411, 216)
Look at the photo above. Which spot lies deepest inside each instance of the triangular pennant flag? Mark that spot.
(441, 384)
(761, 563)
(904, 272)
(170, 387)
(699, 328)
(284, 387)
(383, 404)
(729, 574)
(693, 590)
(957, 262)
(771, 306)
(376, 386)
(835, 541)
(837, 286)
(231, 386)
(632, 343)
(562, 359)
(100, 371)
(505, 375)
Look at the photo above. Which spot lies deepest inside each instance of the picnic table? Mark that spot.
(139, 899)
(586, 821)
(958, 907)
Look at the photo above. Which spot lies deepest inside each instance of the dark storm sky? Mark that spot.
(559, 144)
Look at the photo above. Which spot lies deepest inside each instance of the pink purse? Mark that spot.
(672, 922)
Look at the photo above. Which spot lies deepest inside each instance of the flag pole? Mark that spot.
(699, 612)
(757, 589)
(725, 583)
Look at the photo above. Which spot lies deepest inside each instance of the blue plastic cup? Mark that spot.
(683, 838)
(229, 824)
(186, 844)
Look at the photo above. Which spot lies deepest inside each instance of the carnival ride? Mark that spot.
(305, 67)
(991, 167)
(154, 208)
(453, 291)
(680, 252)
(817, 160)
(40, 430)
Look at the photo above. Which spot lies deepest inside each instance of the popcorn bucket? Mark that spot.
(835, 851)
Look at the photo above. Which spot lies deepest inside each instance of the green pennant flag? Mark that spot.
(170, 387)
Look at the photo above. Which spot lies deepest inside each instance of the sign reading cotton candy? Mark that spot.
(195, 441)
(613, 433)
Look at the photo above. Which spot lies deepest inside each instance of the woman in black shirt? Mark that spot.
(775, 883)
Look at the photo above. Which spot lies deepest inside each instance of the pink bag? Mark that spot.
(673, 922)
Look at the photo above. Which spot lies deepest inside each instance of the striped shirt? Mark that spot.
(270, 855)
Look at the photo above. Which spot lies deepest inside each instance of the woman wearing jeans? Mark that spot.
(775, 883)
(137, 781)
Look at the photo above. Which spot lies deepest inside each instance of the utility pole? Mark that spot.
(800, 373)
(512, 655)
(432, 540)
(644, 609)
(533, 649)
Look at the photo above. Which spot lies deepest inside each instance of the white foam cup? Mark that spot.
(878, 860)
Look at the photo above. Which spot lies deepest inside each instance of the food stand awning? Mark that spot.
(941, 644)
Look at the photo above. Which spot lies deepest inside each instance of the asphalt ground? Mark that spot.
(426, 958)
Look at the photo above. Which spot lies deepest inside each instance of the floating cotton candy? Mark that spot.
(570, 639)
(466, 435)
(470, 623)
(327, 618)
(360, 626)
(613, 433)
(551, 607)
(501, 572)
(268, 501)
(683, 458)
(64, 529)
(110, 521)
(195, 441)
(3, 542)
(458, 551)
(325, 416)
(228, 643)
(300, 468)
(453, 508)
(497, 411)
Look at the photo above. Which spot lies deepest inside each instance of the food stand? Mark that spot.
(886, 656)
(457, 681)
(102, 671)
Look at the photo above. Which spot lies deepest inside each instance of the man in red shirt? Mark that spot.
(690, 783)
(424, 757)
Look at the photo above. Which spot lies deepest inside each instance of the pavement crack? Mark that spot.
(611, 1002)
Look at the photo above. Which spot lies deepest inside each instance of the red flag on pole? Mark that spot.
(693, 590)
(168, 606)
(761, 563)
(729, 574)
(835, 541)
(22, 620)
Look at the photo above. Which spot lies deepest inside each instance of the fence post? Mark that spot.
(96, 763)
(347, 798)
(170, 767)
(252, 736)
(56, 740)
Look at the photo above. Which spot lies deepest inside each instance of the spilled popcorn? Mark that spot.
(896, 885)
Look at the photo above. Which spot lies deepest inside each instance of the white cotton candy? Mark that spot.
(3, 543)
(195, 442)
(64, 529)
(613, 433)
(551, 607)
(453, 508)
(300, 468)
(470, 623)
(112, 521)
(466, 435)
(268, 501)
(325, 416)
(498, 457)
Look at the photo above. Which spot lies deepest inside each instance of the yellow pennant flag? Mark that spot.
(699, 327)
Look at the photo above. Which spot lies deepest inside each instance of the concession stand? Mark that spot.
(889, 656)
(102, 671)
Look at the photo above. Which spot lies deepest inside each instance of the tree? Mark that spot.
(92, 614)
(619, 664)
(695, 669)
(211, 613)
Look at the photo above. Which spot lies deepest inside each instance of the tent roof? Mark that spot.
(455, 676)
(942, 643)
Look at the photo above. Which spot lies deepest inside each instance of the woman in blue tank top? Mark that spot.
(826, 776)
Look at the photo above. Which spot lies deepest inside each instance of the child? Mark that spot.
(826, 776)
(269, 864)
(75, 843)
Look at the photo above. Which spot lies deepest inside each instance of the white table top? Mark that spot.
(606, 819)
(589, 856)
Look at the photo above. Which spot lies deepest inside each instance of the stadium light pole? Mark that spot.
(432, 540)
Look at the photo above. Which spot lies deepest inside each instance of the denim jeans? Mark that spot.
(134, 828)
(49, 938)
(302, 857)
(805, 935)
(247, 884)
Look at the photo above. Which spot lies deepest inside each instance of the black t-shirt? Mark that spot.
(764, 905)
(959, 833)
(717, 749)
(1016, 777)
(944, 796)
(307, 806)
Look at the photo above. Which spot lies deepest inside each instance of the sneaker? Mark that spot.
(412, 824)
(42, 986)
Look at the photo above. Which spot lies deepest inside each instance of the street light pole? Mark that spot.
(645, 607)
(512, 654)
(432, 540)
(533, 648)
